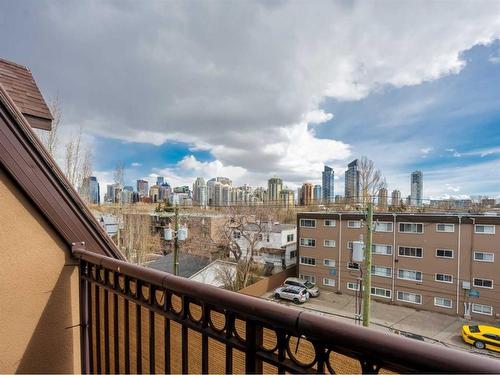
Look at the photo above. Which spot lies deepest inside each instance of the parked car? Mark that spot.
(482, 337)
(296, 294)
(295, 281)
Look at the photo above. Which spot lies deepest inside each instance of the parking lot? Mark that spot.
(435, 328)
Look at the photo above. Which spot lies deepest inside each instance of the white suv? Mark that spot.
(311, 288)
(292, 293)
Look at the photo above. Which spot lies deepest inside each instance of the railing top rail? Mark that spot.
(391, 350)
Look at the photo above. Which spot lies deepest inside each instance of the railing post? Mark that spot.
(84, 313)
(253, 340)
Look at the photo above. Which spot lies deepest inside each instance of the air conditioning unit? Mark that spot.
(466, 285)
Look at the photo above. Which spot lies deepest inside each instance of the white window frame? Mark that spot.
(307, 226)
(409, 279)
(411, 256)
(482, 260)
(354, 226)
(374, 246)
(329, 260)
(307, 238)
(484, 225)
(386, 223)
(409, 293)
(482, 312)
(325, 245)
(445, 231)
(416, 226)
(326, 284)
(444, 257)
(288, 235)
(442, 305)
(385, 275)
(374, 288)
(353, 286)
(331, 221)
(480, 286)
(307, 264)
(310, 278)
(442, 281)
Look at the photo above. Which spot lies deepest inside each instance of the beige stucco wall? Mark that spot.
(39, 317)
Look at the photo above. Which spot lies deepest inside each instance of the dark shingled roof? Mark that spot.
(23, 90)
(188, 264)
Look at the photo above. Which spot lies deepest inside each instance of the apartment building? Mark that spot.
(444, 263)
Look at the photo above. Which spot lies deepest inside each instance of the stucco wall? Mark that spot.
(39, 317)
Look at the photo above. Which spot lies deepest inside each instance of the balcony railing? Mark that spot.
(136, 319)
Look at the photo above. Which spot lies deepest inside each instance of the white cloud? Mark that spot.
(135, 164)
(425, 151)
(454, 152)
(318, 117)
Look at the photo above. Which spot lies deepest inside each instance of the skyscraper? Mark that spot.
(274, 187)
(142, 188)
(200, 192)
(287, 198)
(396, 198)
(328, 185)
(89, 190)
(417, 188)
(317, 193)
(352, 182)
(306, 194)
(160, 180)
(382, 198)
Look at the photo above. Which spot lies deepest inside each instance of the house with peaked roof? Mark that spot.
(69, 303)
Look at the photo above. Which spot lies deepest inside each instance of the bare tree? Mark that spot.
(50, 139)
(370, 180)
(138, 239)
(232, 276)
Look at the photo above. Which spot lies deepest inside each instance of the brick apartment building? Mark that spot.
(443, 263)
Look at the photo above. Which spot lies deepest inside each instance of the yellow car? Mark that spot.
(482, 337)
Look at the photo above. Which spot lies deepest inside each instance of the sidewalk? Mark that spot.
(439, 329)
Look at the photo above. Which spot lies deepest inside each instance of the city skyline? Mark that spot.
(326, 105)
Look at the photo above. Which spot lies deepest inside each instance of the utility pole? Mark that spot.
(176, 241)
(367, 274)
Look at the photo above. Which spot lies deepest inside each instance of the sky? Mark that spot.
(256, 89)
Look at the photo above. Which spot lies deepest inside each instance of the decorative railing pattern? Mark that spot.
(136, 319)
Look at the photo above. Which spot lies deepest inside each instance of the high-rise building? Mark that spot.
(382, 198)
(287, 198)
(417, 188)
(142, 188)
(154, 193)
(396, 198)
(306, 194)
(274, 187)
(160, 180)
(317, 193)
(200, 192)
(89, 190)
(352, 183)
(110, 193)
(327, 180)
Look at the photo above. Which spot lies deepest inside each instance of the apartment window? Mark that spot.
(330, 223)
(353, 266)
(328, 282)
(409, 275)
(383, 226)
(444, 253)
(290, 237)
(353, 286)
(382, 249)
(482, 309)
(444, 278)
(293, 254)
(443, 302)
(411, 227)
(329, 243)
(310, 278)
(308, 242)
(380, 292)
(484, 229)
(484, 257)
(409, 297)
(483, 283)
(413, 252)
(381, 271)
(447, 228)
(329, 262)
(308, 261)
(308, 223)
(354, 223)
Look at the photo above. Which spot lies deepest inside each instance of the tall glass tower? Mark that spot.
(327, 186)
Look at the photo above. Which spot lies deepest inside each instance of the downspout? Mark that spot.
(393, 257)
(340, 254)
(458, 261)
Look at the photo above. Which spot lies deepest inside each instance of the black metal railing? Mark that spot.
(136, 319)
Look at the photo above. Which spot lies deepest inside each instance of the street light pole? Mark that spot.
(367, 274)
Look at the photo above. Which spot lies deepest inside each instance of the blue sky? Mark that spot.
(251, 90)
